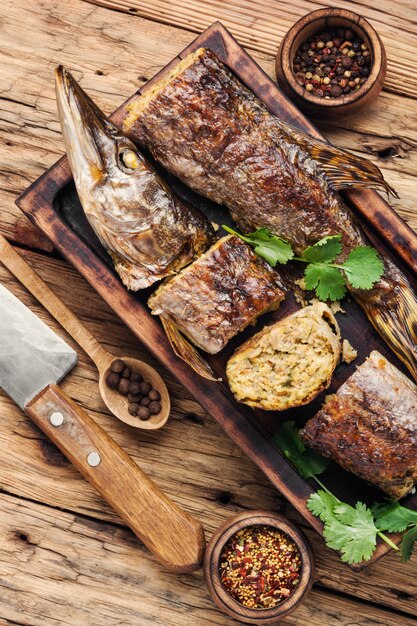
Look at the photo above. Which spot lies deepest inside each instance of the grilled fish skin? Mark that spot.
(213, 133)
(220, 294)
(370, 427)
(148, 232)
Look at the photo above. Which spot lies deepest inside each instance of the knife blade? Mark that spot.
(32, 360)
(32, 356)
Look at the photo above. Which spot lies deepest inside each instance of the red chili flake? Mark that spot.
(252, 577)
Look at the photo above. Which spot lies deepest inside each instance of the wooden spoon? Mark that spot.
(103, 359)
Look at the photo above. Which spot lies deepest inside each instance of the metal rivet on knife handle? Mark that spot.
(93, 459)
(56, 419)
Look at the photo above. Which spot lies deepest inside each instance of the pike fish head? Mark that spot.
(109, 172)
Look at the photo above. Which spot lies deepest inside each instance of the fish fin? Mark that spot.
(185, 351)
(342, 168)
(397, 324)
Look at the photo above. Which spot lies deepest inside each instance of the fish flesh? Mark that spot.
(203, 125)
(146, 229)
(217, 296)
(369, 426)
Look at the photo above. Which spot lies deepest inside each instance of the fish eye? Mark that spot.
(129, 158)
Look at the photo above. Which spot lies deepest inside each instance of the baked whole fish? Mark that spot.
(208, 129)
(147, 230)
(370, 426)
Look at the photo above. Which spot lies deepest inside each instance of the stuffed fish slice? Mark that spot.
(213, 133)
(149, 232)
(370, 426)
(215, 298)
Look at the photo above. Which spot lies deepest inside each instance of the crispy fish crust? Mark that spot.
(217, 296)
(287, 364)
(212, 132)
(370, 427)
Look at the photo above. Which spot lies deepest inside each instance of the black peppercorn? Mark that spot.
(145, 401)
(117, 366)
(112, 380)
(133, 397)
(145, 388)
(143, 413)
(134, 388)
(154, 407)
(133, 408)
(123, 386)
(154, 395)
(126, 372)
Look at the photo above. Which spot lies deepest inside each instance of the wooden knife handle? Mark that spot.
(173, 536)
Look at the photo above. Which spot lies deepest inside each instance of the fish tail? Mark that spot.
(343, 169)
(396, 322)
(185, 351)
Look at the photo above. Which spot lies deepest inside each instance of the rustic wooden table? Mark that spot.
(65, 558)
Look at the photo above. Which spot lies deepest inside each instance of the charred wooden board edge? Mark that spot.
(37, 203)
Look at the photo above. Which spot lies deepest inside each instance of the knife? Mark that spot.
(33, 359)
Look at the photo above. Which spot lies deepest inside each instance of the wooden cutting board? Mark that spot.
(52, 204)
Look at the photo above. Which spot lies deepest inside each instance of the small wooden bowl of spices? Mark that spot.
(331, 61)
(135, 393)
(258, 567)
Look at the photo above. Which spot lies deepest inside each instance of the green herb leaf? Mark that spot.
(363, 267)
(326, 280)
(307, 462)
(407, 544)
(324, 251)
(356, 536)
(322, 504)
(271, 248)
(393, 517)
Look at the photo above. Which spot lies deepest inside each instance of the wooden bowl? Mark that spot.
(315, 22)
(224, 600)
(118, 404)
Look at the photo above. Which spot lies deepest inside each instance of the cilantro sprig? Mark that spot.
(393, 517)
(352, 530)
(361, 269)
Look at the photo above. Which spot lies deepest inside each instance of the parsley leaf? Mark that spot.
(271, 248)
(393, 517)
(325, 250)
(363, 267)
(307, 462)
(322, 504)
(352, 530)
(396, 518)
(326, 280)
(407, 544)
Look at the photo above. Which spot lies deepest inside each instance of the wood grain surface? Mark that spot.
(65, 558)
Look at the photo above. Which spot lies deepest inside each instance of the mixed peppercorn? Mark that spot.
(260, 567)
(332, 63)
(143, 399)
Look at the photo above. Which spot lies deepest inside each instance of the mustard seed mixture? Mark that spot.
(260, 567)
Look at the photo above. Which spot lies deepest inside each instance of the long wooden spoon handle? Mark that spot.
(173, 536)
(38, 288)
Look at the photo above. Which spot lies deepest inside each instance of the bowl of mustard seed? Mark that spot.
(258, 567)
(331, 61)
